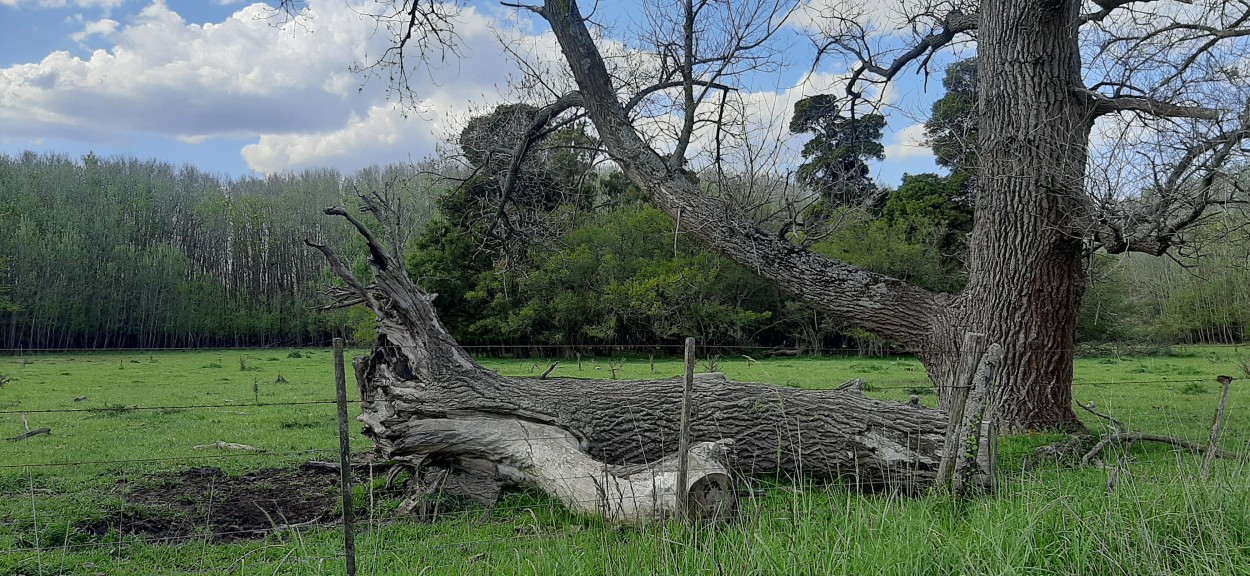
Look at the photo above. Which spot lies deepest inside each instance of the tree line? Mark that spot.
(128, 253)
(545, 250)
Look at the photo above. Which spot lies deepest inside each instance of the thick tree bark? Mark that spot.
(1026, 269)
(1025, 276)
(774, 429)
(423, 398)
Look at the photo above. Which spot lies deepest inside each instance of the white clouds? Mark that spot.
(285, 83)
(382, 132)
(105, 4)
(102, 27)
(908, 143)
(287, 86)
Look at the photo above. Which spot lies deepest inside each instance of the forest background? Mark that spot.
(128, 253)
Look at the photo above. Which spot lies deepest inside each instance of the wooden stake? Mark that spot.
(1217, 427)
(683, 438)
(954, 400)
(973, 466)
(345, 468)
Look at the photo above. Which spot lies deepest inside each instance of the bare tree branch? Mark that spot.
(887, 306)
(1103, 105)
(1109, 6)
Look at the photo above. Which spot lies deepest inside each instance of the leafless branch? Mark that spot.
(1113, 104)
(1107, 7)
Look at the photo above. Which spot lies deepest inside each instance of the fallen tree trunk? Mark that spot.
(552, 460)
(423, 396)
(774, 428)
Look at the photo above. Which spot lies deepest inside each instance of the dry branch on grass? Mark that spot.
(227, 446)
(1122, 436)
(1128, 438)
(30, 434)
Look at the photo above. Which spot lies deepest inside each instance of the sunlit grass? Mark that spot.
(1157, 517)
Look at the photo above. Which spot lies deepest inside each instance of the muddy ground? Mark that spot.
(206, 502)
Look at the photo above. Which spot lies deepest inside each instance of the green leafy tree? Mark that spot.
(953, 128)
(448, 262)
(836, 158)
(905, 249)
(925, 201)
(618, 280)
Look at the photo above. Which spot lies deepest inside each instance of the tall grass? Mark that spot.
(1145, 511)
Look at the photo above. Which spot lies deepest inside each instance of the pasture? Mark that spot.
(120, 487)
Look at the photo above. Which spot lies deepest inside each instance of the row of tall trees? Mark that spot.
(531, 243)
(121, 252)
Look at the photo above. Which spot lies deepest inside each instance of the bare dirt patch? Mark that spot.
(207, 503)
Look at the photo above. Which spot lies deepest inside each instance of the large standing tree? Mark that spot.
(1166, 74)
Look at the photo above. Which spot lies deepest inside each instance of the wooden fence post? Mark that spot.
(1213, 444)
(972, 466)
(345, 464)
(955, 398)
(683, 438)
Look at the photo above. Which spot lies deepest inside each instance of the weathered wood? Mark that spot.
(971, 468)
(30, 434)
(954, 398)
(683, 434)
(551, 459)
(1217, 427)
(424, 397)
(827, 432)
(345, 458)
(221, 445)
(1132, 437)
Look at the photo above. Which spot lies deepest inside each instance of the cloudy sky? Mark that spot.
(235, 89)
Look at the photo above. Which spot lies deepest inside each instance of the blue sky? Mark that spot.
(217, 84)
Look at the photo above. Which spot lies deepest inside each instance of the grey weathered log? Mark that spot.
(551, 459)
(417, 376)
(629, 422)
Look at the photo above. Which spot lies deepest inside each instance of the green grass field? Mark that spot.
(118, 418)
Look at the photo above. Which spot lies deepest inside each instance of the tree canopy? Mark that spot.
(836, 157)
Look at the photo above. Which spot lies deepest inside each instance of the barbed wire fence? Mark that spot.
(228, 513)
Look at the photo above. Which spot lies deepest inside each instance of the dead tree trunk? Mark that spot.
(423, 396)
